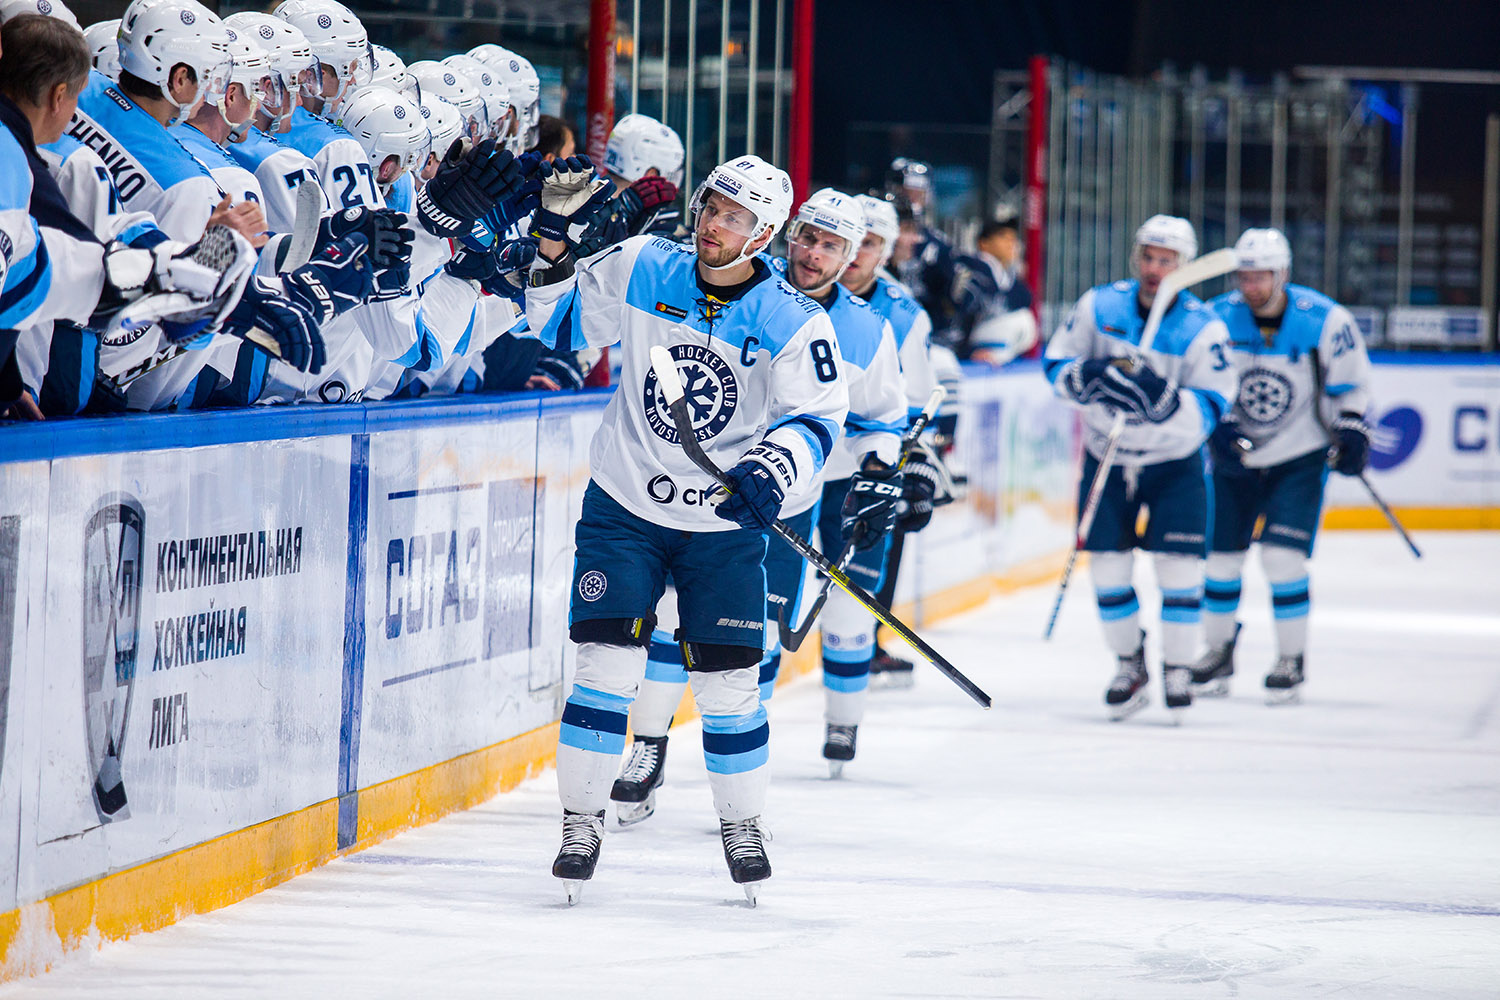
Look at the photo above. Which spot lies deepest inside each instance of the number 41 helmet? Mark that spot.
(833, 212)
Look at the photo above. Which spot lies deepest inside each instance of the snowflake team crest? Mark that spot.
(711, 390)
(1265, 397)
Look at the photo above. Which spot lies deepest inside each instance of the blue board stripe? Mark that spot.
(353, 694)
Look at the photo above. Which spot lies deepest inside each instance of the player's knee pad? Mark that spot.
(733, 692)
(1111, 570)
(1224, 565)
(614, 631)
(712, 657)
(1282, 565)
(610, 668)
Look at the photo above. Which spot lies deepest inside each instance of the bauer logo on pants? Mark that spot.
(709, 388)
(592, 585)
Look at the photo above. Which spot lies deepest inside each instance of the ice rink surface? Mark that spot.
(1345, 847)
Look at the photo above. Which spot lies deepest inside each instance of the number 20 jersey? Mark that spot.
(762, 366)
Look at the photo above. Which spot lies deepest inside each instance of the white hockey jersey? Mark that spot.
(1191, 351)
(912, 328)
(762, 366)
(1274, 406)
(233, 179)
(343, 168)
(280, 170)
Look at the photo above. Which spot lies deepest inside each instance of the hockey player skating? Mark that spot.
(1172, 398)
(912, 328)
(822, 240)
(769, 400)
(1296, 351)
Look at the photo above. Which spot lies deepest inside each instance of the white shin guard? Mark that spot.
(1291, 600)
(1220, 609)
(592, 735)
(736, 739)
(1181, 580)
(1119, 611)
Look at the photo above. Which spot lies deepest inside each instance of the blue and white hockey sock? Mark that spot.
(1181, 580)
(1221, 596)
(1291, 597)
(736, 740)
(661, 691)
(848, 648)
(592, 735)
(1119, 609)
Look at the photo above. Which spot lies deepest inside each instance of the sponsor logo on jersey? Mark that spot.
(592, 585)
(8, 249)
(711, 391)
(662, 490)
(671, 311)
(1395, 437)
(1265, 397)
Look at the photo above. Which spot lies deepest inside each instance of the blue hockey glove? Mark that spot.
(570, 194)
(1081, 378)
(516, 255)
(1351, 445)
(294, 328)
(466, 187)
(869, 510)
(760, 483)
(339, 278)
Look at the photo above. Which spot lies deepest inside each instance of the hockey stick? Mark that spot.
(304, 226)
(670, 384)
(1390, 515)
(792, 639)
(1198, 269)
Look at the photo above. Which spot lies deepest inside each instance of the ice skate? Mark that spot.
(838, 747)
(891, 671)
(1127, 692)
(582, 834)
(1284, 682)
(634, 791)
(1214, 668)
(1177, 689)
(745, 851)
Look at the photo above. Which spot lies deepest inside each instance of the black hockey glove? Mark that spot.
(760, 483)
(1351, 445)
(919, 485)
(466, 187)
(339, 278)
(1229, 448)
(294, 328)
(1081, 378)
(1140, 392)
(869, 510)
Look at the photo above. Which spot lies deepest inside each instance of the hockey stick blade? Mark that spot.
(671, 387)
(791, 639)
(304, 225)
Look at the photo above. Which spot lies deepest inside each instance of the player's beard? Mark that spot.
(719, 255)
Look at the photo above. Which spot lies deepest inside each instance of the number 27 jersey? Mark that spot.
(762, 366)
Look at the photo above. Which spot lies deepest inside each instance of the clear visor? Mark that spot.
(273, 95)
(476, 123)
(713, 209)
(213, 84)
(346, 78)
(816, 240)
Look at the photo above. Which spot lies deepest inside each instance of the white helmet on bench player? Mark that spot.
(252, 70)
(339, 41)
(46, 8)
(492, 90)
(638, 143)
(390, 72)
(881, 220)
(444, 121)
(290, 56)
(391, 129)
(454, 86)
(155, 37)
(1170, 233)
(104, 42)
(517, 73)
(754, 184)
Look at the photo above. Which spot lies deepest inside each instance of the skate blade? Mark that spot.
(894, 680)
(574, 889)
(1217, 688)
(750, 890)
(1290, 696)
(631, 813)
(1176, 714)
(1124, 710)
(835, 769)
